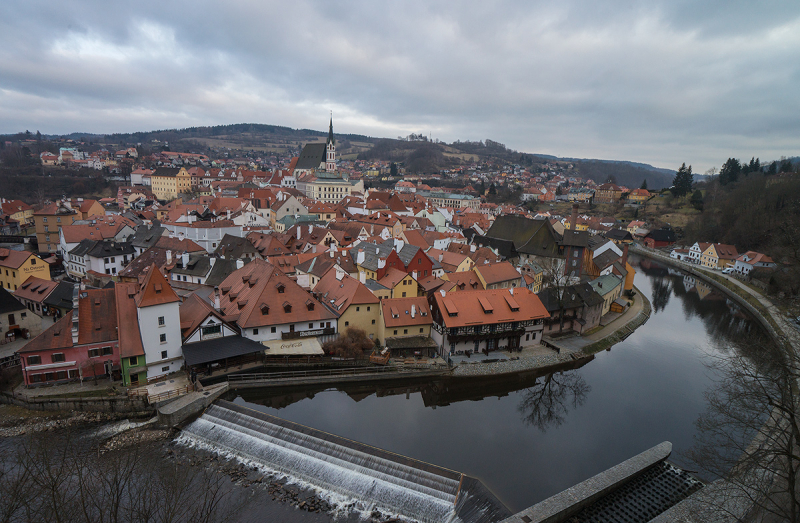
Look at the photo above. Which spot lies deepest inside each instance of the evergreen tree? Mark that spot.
(730, 171)
(492, 190)
(682, 183)
(786, 166)
(697, 200)
(644, 184)
(773, 168)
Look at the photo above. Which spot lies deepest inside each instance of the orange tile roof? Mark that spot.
(258, 294)
(498, 272)
(155, 290)
(130, 338)
(339, 294)
(35, 289)
(397, 312)
(57, 336)
(14, 259)
(471, 307)
(97, 314)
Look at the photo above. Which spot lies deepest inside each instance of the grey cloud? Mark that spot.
(654, 81)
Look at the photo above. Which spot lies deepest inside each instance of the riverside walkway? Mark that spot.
(333, 376)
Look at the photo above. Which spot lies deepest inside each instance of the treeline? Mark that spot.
(625, 173)
(755, 212)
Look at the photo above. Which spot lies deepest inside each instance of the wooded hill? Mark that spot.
(417, 153)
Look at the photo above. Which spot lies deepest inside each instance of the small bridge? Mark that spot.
(333, 376)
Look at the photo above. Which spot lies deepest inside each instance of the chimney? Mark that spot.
(310, 229)
(381, 263)
(239, 264)
(211, 262)
(331, 253)
(511, 290)
(441, 257)
(574, 218)
(360, 257)
(413, 310)
(185, 259)
(299, 232)
(362, 277)
(472, 248)
(216, 298)
(414, 275)
(169, 257)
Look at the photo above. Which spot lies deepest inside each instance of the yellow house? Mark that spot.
(719, 256)
(638, 195)
(167, 183)
(359, 308)
(18, 266)
(400, 284)
(49, 220)
(18, 210)
(404, 317)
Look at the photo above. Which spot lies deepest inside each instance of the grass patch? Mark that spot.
(98, 393)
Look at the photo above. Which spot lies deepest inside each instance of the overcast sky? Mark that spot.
(662, 82)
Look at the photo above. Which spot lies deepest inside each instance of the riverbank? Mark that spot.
(567, 349)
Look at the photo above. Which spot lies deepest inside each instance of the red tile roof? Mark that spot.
(97, 316)
(13, 259)
(497, 272)
(470, 307)
(397, 312)
(130, 338)
(155, 290)
(259, 294)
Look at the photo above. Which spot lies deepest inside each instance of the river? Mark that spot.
(529, 437)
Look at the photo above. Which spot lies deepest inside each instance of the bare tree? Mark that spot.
(548, 402)
(59, 477)
(750, 434)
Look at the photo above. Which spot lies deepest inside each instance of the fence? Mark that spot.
(169, 394)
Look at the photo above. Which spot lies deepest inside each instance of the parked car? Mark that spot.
(729, 270)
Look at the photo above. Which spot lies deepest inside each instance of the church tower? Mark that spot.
(330, 150)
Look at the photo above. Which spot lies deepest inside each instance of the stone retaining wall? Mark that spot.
(703, 275)
(110, 404)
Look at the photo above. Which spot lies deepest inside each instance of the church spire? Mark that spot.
(330, 149)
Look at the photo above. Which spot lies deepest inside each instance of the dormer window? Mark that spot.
(310, 305)
(265, 309)
(280, 288)
(287, 307)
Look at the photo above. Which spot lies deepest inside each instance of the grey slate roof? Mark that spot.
(221, 270)
(61, 296)
(83, 247)
(8, 303)
(146, 237)
(199, 265)
(619, 235)
(235, 247)
(605, 259)
(575, 238)
(106, 249)
(312, 155)
(374, 251)
(373, 285)
(218, 349)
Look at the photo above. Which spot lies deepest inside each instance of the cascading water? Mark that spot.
(378, 478)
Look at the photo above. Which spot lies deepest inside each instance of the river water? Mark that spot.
(528, 437)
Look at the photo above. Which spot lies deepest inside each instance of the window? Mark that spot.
(255, 331)
(367, 308)
(421, 329)
(133, 361)
(162, 338)
(106, 351)
(404, 295)
(395, 331)
(347, 324)
(94, 353)
(373, 322)
(161, 321)
(405, 331)
(34, 360)
(163, 354)
(358, 309)
(165, 369)
(23, 314)
(44, 220)
(57, 357)
(272, 329)
(452, 347)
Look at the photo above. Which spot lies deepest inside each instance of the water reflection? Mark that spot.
(528, 436)
(547, 403)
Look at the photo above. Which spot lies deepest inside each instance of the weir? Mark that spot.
(375, 477)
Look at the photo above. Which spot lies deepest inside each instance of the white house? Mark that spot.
(750, 260)
(158, 311)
